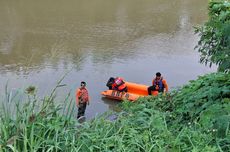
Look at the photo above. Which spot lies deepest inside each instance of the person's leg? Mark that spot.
(80, 109)
(83, 108)
(109, 83)
(150, 89)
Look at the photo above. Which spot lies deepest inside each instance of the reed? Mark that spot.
(36, 125)
(194, 118)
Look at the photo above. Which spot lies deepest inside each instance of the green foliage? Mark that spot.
(204, 101)
(214, 43)
(36, 128)
(193, 118)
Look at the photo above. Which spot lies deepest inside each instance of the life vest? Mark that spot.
(118, 81)
(159, 86)
(83, 95)
(119, 84)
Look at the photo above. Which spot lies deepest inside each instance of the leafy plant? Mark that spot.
(193, 118)
(214, 43)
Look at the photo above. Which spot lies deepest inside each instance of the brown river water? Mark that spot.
(93, 40)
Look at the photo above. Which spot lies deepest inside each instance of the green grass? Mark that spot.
(193, 118)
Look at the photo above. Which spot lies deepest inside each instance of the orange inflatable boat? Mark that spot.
(134, 92)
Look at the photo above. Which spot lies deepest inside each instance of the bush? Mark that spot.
(214, 43)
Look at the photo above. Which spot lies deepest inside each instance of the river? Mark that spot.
(42, 40)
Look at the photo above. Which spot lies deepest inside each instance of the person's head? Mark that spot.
(158, 75)
(83, 84)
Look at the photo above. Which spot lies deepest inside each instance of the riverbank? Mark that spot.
(194, 118)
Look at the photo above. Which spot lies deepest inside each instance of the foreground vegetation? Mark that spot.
(214, 43)
(195, 118)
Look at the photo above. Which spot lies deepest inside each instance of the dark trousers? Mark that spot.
(150, 89)
(110, 83)
(81, 109)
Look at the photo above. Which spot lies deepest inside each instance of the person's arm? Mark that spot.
(153, 82)
(114, 87)
(77, 97)
(88, 97)
(165, 85)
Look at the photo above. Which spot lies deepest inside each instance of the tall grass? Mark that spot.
(37, 125)
(195, 118)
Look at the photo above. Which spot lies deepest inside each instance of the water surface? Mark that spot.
(42, 40)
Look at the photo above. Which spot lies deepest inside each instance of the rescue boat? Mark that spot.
(134, 92)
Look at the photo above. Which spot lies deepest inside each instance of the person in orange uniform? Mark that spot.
(119, 85)
(82, 99)
(158, 84)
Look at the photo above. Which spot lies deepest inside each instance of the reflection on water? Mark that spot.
(112, 105)
(41, 40)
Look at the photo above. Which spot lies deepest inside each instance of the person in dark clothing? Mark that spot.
(82, 99)
(110, 83)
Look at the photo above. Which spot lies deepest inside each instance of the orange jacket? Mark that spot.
(82, 95)
(164, 83)
(119, 84)
(119, 88)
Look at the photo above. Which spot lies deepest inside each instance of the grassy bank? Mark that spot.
(194, 118)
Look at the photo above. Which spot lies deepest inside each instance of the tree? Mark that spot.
(214, 43)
